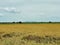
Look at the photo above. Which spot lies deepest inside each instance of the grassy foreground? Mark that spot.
(29, 34)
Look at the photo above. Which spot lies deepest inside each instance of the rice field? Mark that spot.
(29, 34)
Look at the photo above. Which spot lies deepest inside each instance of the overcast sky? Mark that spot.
(29, 10)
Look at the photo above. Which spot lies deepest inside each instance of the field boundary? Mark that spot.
(29, 22)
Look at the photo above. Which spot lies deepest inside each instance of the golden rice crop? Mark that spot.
(40, 29)
(11, 34)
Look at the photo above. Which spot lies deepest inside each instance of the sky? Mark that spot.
(29, 10)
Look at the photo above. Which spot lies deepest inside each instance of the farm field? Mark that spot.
(29, 34)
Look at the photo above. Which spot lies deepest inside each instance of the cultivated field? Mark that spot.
(29, 34)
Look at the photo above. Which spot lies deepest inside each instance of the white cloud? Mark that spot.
(9, 10)
(32, 10)
(1, 15)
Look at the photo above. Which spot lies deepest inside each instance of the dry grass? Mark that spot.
(29, 34)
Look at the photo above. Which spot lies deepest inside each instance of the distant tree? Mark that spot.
(20, 22)
(13, 22)
(50, 22)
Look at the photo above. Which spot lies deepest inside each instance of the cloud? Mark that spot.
(1, 15)
(9, 10)
(32, 10)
